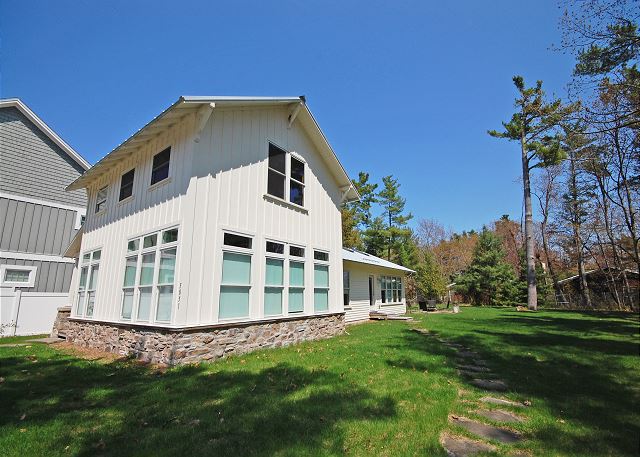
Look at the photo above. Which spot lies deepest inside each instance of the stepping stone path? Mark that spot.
(487, 431)
(47, 340)
(499, 415)
(490, 384)
(470, 365)
(459, 446)
(501, 401)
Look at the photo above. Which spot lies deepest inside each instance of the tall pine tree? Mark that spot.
(393, 216)
(534, 125)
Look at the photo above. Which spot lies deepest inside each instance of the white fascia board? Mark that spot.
(53, 136)
(36, 257)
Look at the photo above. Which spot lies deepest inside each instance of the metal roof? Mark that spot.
(53, 136)
(354, 255)
(189, 104)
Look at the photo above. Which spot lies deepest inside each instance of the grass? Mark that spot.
(382, 389)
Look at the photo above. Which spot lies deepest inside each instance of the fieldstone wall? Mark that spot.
(174, 347)
(61, 324)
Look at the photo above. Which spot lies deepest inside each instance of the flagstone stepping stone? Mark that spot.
(477, 362)
(460, 446)
(499, 415)
(47, 340)
(490, 384)
(476, 368)
(501, 401)
(468, 354)
(473, 374)
(487, 431)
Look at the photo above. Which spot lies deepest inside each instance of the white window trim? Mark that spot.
(347, 289)
(81, 311)
(32, 275)
(287, 177)
(166, 180)
(102, 210)
(251, 286)
(155, 294)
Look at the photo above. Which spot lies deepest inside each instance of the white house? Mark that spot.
(372, 284)
(214, 229)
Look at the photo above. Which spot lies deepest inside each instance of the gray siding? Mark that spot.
(36, 229)
(32, 165)
(50, 276)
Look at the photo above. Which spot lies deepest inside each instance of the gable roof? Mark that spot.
(189, 104)
(354, 255)
(53, 136)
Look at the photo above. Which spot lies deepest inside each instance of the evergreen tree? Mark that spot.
(368, 198)
(374, 237)
(393, 217)
(489, 280)
(351, 236)
(429, 279)
(534, 126)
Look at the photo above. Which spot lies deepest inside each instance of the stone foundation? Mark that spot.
(180, 346)
(61, 324)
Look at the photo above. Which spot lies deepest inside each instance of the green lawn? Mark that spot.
(382, 389)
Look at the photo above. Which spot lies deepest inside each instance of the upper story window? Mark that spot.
(160, 169)
(101, 199)
(286, 175)
(126, 184)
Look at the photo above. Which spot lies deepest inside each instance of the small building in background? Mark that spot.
(38, 219)
(607, 289)
(372, 286)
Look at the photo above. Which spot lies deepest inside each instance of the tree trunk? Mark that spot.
(585, 298)
(532, 291)
(552, 272)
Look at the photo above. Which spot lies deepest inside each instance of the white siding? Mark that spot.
(217, 184)
(359, 293)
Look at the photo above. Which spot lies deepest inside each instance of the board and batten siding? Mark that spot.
(35, 228)
(32, 165)
(359, 305)
(215, 185)
(50, 276)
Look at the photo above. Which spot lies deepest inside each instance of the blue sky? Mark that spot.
(407, 88)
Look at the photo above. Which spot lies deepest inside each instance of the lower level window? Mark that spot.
(296, 287)
(321, 288)
(274, 285)
(88, 283)
(149, 276)
(391, 289)
(346, 285)
(236, 285)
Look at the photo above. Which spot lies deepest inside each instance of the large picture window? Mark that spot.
(149, 276)
(88, 283)
(286, 174)
(321, 287)
(391, 289)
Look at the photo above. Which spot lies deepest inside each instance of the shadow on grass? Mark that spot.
(574, 367)
(124, 409)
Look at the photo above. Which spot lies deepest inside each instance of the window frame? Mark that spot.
(91, 264)
(31, 281)
(101, 204)
(225, 248)
(346, 288)
(395, 285)
(132, 184)
(155, 184)
(139, 252)
(288, 178)
(317, 262)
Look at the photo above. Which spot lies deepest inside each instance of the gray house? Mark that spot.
(38, 219)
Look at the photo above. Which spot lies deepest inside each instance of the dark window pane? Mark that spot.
(296, 251)
(275, 184)
(346, 299)
(160, 168)
(170, 236)
(276, 158)
(296, 193)
(297, 169)
(319, 255)
(384, 295)
(126, 184)
(277, 248)
(238, 241)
